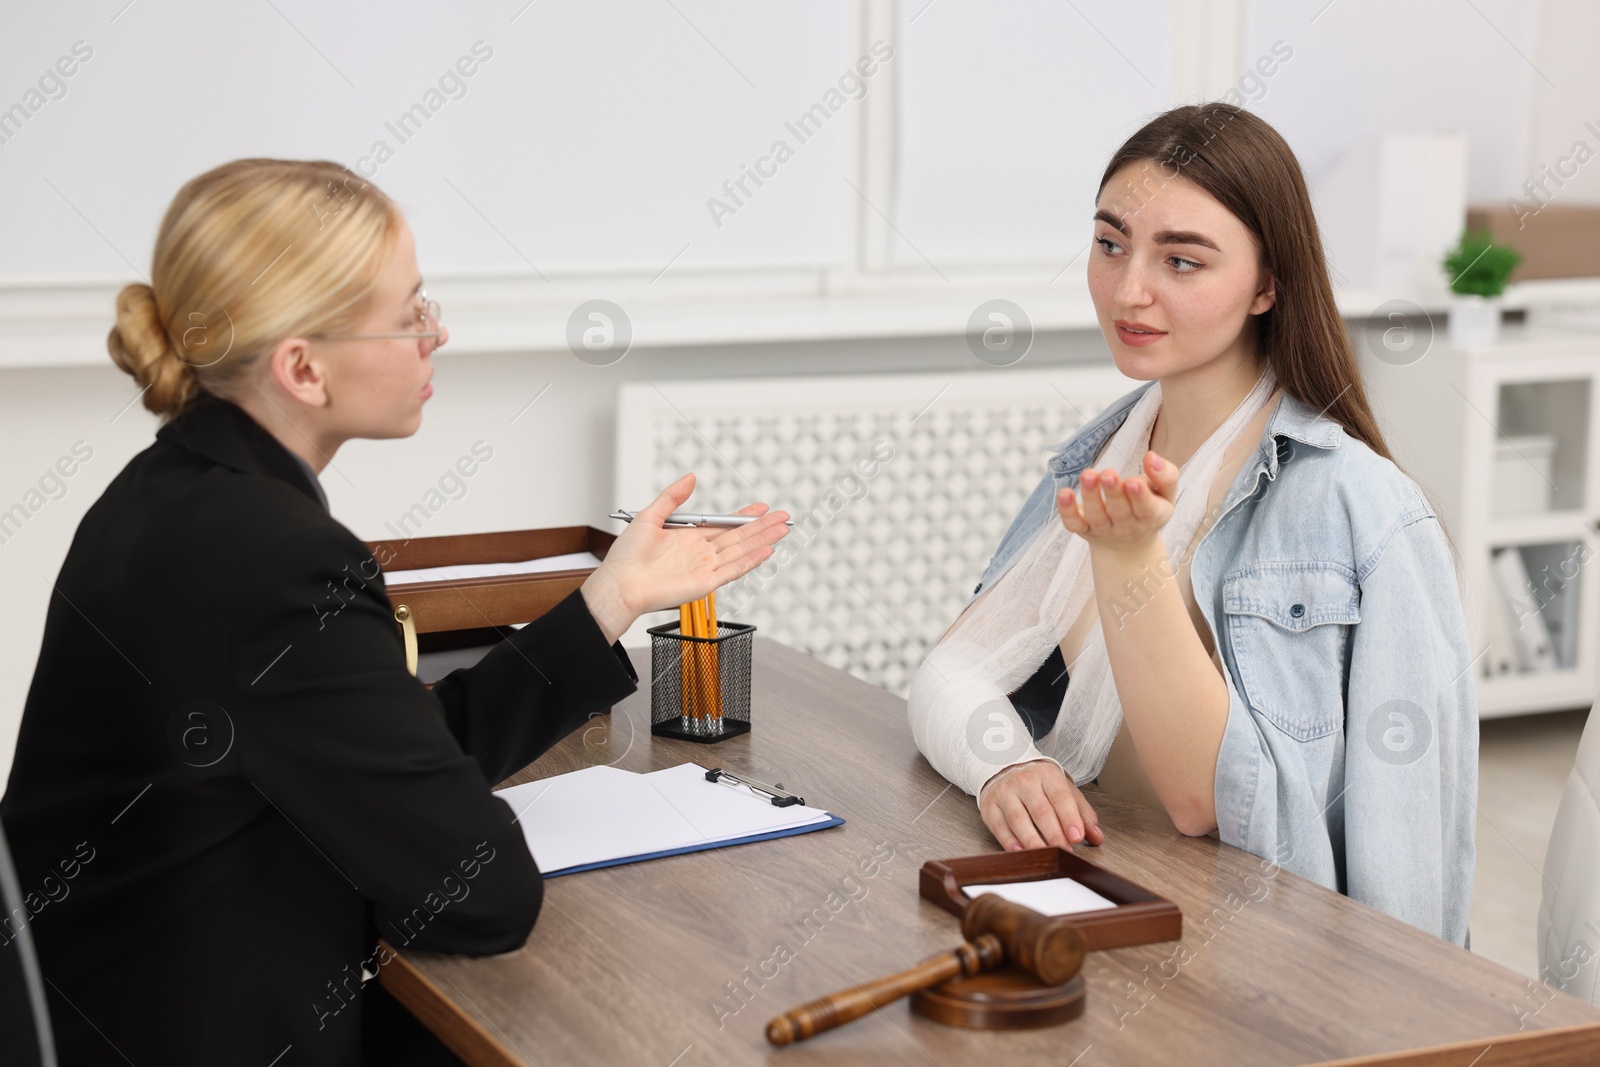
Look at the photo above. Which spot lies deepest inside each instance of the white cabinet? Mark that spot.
(1502, 437)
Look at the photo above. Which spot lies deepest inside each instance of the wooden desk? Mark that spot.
(681, 961)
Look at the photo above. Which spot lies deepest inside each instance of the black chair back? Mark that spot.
(24, 1019)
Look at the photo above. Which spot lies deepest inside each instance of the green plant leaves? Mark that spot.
(1477, 266)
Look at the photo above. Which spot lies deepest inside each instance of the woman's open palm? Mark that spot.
(1115, 512)
(657, 567)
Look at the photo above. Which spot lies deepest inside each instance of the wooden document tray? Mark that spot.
(1140, 917)
(466, 612)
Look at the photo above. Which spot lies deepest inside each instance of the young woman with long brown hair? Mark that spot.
(1223, 598)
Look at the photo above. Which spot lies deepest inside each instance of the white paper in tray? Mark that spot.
(571, 561)
(1048, 896)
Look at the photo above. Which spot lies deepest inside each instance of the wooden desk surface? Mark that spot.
(681, 961)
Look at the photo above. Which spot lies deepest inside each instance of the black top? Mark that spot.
(226, 784)
(1038, 700)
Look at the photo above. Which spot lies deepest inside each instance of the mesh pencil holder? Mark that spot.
(700, 686)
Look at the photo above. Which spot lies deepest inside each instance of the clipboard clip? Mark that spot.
(779, 796)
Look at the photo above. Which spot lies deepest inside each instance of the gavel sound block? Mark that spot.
(1018, 969)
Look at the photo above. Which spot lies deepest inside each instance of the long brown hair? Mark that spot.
(1250, 169)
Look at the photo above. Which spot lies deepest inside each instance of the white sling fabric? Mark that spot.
(961, 714)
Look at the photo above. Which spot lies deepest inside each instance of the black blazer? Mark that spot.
(227, 785)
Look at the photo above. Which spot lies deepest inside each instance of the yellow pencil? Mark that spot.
(702, 688)
(716, 672)
(685, 699)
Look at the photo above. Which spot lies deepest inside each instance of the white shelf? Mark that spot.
(1443, 416)
(1531, 692)
(1538, 528)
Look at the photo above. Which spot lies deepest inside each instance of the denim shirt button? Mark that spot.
(1298, 610)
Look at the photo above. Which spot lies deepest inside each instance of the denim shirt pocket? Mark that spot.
(1289, 625)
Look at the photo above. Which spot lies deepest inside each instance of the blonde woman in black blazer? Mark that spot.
(223, 792)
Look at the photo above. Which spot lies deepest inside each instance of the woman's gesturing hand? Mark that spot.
(652, 567)
(1114, 512)
(1032, 805)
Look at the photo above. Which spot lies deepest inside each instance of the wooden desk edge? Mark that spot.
(460, 1032)
(1567, 1046)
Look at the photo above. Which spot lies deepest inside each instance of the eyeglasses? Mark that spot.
(427, 327)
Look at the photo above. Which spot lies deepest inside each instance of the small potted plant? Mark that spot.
(1477, 269)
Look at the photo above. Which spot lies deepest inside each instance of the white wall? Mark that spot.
(592, 134)
(1566, 103)
(1366, 67)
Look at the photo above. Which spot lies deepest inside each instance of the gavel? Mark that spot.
(1049, 948)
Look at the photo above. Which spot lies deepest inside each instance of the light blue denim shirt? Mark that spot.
(1350, 755)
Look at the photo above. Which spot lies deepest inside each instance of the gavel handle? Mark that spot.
(980, 954)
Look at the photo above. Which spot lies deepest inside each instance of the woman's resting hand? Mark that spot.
(1032, 805)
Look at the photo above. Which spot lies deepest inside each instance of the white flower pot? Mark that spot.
(1474, 320)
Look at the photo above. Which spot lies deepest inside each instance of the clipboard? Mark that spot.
(602, 816)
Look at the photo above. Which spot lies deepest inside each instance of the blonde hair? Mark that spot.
(250, 253)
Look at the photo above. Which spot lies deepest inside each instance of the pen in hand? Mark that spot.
(683, 518)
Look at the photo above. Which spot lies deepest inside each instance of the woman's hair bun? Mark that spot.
(139, 345)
